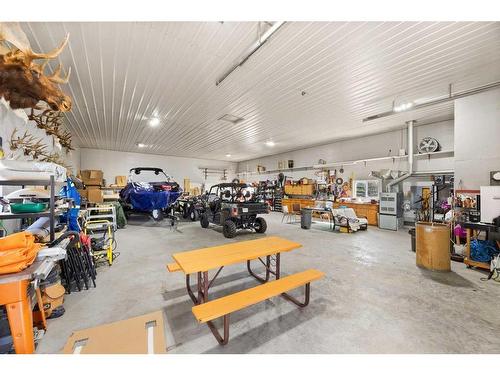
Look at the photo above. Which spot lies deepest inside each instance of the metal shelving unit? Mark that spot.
(50, 213)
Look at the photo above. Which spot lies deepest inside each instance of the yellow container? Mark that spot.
(433, 246)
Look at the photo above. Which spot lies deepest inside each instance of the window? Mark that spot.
(366, 189)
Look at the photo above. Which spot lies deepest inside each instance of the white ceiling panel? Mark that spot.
(125, 73)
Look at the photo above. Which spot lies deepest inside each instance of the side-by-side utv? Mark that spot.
(233, 206)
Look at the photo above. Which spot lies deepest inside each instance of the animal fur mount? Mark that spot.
(35, 148)
(51, 122)
(23, 83)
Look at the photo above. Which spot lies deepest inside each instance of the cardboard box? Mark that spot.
(92, 177)
(83, 193)
(187, 184)
(121, 180)
(94, 195)
(140, 335)
(195, 191)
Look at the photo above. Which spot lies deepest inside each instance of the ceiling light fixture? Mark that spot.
(402, 107)
(154, 121)
(270, 143)
(231, 118)
(141, 145)
(253, 48)
(228, 155)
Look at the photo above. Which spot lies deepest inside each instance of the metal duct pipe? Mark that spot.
(424, 173)
(461, 94)
(410, 158)
(253, 48)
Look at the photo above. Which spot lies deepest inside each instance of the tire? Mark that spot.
(193, 214)
(204, 220)
(260, 225)
(185, 212)
(229, 229)
(157, 215)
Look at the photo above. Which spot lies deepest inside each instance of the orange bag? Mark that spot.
(17, 252)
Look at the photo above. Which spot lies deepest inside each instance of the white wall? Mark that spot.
(373, 146)
(477, 139)
(116, 163)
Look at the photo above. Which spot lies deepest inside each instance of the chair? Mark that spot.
(295, 211)
(346, 218)
(351, 214)
(286, 214)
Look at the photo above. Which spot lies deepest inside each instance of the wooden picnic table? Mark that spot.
(200, 261)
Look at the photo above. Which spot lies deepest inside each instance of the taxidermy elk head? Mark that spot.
(22, 82)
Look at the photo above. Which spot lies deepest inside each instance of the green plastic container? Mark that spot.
(27, 208)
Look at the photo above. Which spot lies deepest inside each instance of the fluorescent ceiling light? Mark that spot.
(228, 155)
(141, 145)
(231, 118)
(270, 143)
(253, 48)
(154, 121)
(403, 107)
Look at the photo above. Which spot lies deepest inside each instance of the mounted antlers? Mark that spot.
(35, 148)
(22, 82)
(12, 33)
(30, 145)
(51, 122)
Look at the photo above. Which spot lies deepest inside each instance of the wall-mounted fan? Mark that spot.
(428, 144)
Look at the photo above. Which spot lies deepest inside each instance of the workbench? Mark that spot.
(18, 292)
(470, 228)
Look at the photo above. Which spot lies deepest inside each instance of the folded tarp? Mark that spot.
(17, 252)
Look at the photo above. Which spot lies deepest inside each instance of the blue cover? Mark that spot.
(71, 216)
(483, 251)
(142, 197)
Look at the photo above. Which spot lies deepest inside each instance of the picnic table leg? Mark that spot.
(295, 301)
(286, 295)
(222, 340)
(200, 287)
(205, 286)
(277, 271)
(190, 291)
(268, 270)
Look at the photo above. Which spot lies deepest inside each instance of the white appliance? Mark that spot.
(490, 203)
(390, 211)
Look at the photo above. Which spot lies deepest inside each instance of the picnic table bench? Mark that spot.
(201, 261)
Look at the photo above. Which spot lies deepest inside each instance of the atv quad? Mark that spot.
(189, 207)
(232, 206)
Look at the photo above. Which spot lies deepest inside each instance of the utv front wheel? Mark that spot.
(204, 221)
(193, 214)
(157, 215)
(229, 229)
(260, 225)
(185, 212)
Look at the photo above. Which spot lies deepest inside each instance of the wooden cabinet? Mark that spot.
(368, 210)
(299, 189)
(289, 202)
(372, 216)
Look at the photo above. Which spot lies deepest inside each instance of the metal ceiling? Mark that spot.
(311, 83)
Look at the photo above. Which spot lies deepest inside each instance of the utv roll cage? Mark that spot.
(222, 190)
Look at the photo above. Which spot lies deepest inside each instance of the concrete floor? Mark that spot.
(373, 298)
